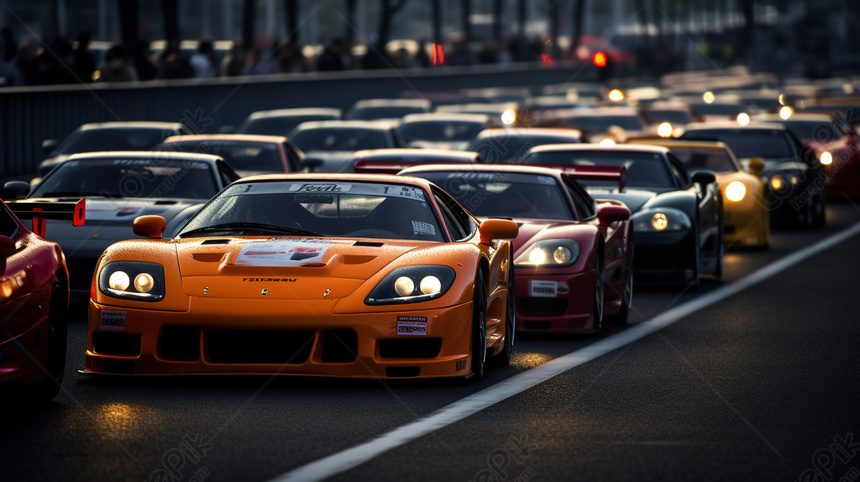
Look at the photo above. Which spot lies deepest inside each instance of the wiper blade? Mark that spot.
(247, 227)
(81, 194)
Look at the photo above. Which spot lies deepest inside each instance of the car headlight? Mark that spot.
(412, 284)
(826, 158)
(132, 280)
(736, 191)
(551, 253)
(659, 220)
(778, 182)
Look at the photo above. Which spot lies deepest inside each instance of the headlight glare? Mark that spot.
(658, 220)
(735, 191)
(399, 286)
(826, 158)
(551, 253)
(777, 182)
(115, 280)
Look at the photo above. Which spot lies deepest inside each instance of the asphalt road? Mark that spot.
(763, 385)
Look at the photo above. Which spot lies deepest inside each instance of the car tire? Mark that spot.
(697, 264)
(503, 358)
(56, 338)
(623, 314)
(721, 248)
(479, 328)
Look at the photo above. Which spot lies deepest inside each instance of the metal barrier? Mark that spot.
(30, 115)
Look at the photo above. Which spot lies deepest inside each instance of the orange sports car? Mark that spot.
(347, 275)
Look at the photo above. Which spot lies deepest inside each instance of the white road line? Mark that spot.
(353, 457)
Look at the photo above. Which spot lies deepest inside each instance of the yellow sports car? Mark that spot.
(746, 220)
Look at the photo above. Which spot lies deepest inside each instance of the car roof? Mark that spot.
(417, 153)
(132, 125)
(158, 155)
(445, 116)
(392, 102)
(297, 112)
(361, 124)
(796, 116)
(698, 126)
(596, 147)
(683, 144)
(525, 131)
(510, 168)
(226, 137)
(380, 178)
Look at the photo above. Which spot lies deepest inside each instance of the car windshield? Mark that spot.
(817, 131)
(124, 177)
(766, 143)
(644, 169)
(320, 207)
(674, 117)
(384, 112)
(705, 159)
(339, 139)
(243, 156)
(440, 130)
(506, 194)
(278, 126)
(512, 148)
(114, 139)
(603, 123)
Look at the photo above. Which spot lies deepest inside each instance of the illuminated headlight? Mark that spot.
(509, 117)
(412, 284)
(552, 253)
(660, 220)
(743, 118)
(607, 142)
(664, 130)
(132, 280)
(826, 158)
(777, 182)
(736, 191)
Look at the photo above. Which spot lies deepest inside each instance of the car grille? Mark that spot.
(544, 306)
(259, 346)
(423, 348)
(116, 343)
(340, 346)
(179, 343)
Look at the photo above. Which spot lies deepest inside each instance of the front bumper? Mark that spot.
(569, 310)
(283, 337)
(665, 258)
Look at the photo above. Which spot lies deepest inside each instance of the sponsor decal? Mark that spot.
(412, 325)
(323, 188)
(544, 289)
(112, 320)
(282, 252)
(420, 227)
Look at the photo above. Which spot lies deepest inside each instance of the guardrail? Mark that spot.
(30, 115)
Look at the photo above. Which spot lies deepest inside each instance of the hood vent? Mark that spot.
(215, 241)
(369, 244)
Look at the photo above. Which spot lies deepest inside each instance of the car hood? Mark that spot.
(633, 198)
(110, 220)
(287, 267)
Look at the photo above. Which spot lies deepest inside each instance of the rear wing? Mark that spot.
(40, 210)
(597, 173)
(393, 166)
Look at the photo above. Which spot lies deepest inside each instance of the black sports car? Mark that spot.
(677, 216)
(118, 187)
(794, 175)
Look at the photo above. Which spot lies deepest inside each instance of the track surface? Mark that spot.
(755, 387)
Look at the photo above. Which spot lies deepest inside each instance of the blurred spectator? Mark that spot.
(172, 64)
(422, 58)
(116, 67)
(374, 58)
(26, 62)
(461, 54)
(143, 61)
(290, 57)
(10, 74)
(402, 59)
(489, 54)
(203, 61)
(343, 50)
(82, 59)
(258, 63)
(329, 60)
(234, 62)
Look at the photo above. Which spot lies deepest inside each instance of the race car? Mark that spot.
(677, 217)
(573, 256)
(34, 299)
(344, 275)
(746, 219)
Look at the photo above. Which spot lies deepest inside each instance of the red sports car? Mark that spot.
(573, 255)
(34, 298)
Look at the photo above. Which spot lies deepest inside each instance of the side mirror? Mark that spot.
(703, 177)
(149, 226)
(310, 165)
(756, 166)
(48, 145)
(609, 214)
(15, 189)
(497, 229)
(7, 244)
